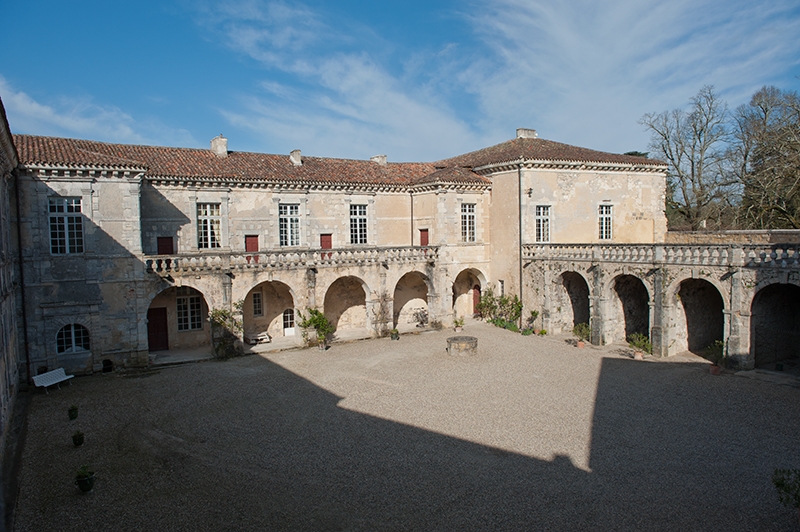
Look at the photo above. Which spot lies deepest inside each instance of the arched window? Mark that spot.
(71, 338)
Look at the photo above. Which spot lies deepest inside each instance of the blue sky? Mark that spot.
(417, 81)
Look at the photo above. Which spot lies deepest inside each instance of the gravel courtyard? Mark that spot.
(530, 434)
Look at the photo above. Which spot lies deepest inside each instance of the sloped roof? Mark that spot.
(536, 149)
(165, 162)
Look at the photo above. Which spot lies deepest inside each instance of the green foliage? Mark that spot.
(715, 352)
(787, 482)
(84, 472)
(225, 331)
(458, 322)
(317, 321)
(640, 342)
(436, 325)
(582, 331)
(532, 319)
(543, 332)
(527, 332)
(500, 311)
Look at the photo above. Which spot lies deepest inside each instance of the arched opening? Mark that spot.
(775, 325)
(630, 312)
(701, 322)
(263, 312)
(177, 319)
(346, 304)
(573, 300)
(410, 302)
(466, 293)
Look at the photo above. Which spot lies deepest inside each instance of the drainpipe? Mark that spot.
(24, 305)
(519, 216)
(411, 197)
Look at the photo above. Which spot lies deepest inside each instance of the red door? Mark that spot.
(423, 237)
(476, 298)
(157, 329)
(165, 246)
(251, 243)
(251, 246)
(326, 242)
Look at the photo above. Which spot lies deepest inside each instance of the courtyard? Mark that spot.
(529, 434)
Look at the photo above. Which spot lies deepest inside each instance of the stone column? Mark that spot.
(737, 330)
(657, 316)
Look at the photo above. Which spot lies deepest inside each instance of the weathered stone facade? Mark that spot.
(126, 249)
(9, 330)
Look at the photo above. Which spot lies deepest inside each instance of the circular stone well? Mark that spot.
(462, 345)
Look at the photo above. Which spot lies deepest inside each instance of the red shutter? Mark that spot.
(423, 237)
(325, 242)
(251, 243)
(165, 245)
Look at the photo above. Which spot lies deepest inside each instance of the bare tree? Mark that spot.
(693, 142)
(767, 155)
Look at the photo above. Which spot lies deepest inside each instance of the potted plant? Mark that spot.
(787, 482)
(84, 479)
(583, 332)
(458, 324)
(73, 412)
(77, 438)
(322, 327)
(640, 344)
(543, 332)
(395, 334)
(716, 354)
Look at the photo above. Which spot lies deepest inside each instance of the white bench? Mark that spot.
(51, 377)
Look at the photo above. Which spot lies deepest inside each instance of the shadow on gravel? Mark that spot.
(264, 449)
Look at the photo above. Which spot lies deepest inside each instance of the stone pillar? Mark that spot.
(657, 316)
(737, 329)
(597, 307)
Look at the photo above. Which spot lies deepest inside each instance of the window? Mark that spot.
(165, 245)
(258, 309)
(208, 225)
(468, 222)
(605, 222)
(289, 224)
(72, 338)
(189, 309)
(288, 318)
(543, 223)
(358, 224)
(66, 226)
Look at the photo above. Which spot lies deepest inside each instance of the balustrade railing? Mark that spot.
(209, 262)
(738, 255)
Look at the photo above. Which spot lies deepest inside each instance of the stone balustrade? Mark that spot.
(748, 255)
(210, 262)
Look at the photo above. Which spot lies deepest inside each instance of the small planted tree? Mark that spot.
(225, 331)
(787, 482)
(317, 322)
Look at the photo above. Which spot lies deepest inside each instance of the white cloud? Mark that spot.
(584, 72)
(81, 118)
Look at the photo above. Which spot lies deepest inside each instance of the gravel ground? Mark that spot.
(530, 434)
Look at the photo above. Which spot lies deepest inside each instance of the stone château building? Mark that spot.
(125, 249)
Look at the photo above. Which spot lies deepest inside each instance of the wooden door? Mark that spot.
(251, 243)
(476, 298)
(157, 329)
(326, 242)
(165, 245)
(423, 237)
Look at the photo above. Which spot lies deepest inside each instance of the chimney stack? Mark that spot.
(219, 146)
(380, 159)
(523, 133)
(295, 158)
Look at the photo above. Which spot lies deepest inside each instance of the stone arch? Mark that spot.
(629, 309)
(410, 301)
(571, 300)
(774, 320)
(699, 315)
(346, 304)
(177, 318)
(467, 292)
(263, 308)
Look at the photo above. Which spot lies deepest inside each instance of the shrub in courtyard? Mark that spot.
(582, 331)
(787, 482)
(225, 331)
(317, 322)
(715, 353)
(640, 342)
(500, 311)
